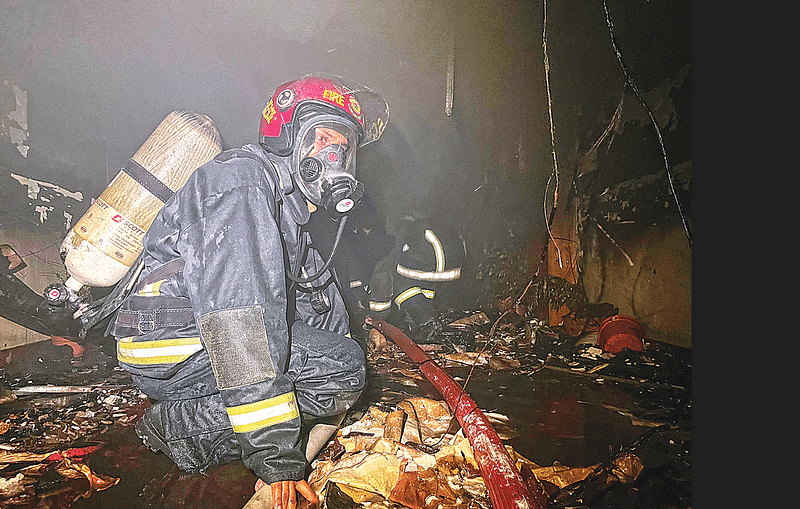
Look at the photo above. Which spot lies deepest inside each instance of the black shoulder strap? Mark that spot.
(114, 300)
(168, 269)
(147, 180)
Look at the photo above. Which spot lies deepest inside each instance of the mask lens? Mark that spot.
(331, 144)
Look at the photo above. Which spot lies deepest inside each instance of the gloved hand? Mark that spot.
(422, 321)
(281, 495)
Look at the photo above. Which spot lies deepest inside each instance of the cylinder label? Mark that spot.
(111, 232)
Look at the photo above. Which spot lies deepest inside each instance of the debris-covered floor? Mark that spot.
(595, 429)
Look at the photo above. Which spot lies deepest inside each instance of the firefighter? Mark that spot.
(230, 323)
(416, 281)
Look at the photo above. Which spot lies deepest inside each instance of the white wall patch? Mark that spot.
(34, 186)
(42, 210)
(44, 194)
(19, 133)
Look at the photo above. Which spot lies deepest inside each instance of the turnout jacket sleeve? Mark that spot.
(234, 275)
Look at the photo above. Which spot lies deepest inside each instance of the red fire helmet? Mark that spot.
(318, 94)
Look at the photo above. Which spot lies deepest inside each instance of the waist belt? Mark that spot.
(139, 316)
(132, 322)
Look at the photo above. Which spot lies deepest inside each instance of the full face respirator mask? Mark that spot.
(325, 158)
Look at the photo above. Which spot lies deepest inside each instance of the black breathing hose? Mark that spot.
(298, 279)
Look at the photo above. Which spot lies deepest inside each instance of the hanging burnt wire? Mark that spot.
(632, 84)
(588, 164)
(554, 173)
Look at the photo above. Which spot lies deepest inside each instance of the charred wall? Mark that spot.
(635, 210)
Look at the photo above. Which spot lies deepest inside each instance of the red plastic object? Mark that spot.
(77, 350)
(619, 332)
(507, 489)
(74, 453)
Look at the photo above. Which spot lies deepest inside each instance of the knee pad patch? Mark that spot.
(236, 342)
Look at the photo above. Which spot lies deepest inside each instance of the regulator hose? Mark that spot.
(314, 277)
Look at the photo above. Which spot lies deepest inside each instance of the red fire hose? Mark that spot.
(506, 487)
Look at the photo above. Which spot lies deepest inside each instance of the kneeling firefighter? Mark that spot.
(232, 325)
(419, 277)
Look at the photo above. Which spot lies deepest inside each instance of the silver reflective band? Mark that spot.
(437, 249)
(162, 351)
(355, 283)
(379, 306)
(445, 275)
(264, 413)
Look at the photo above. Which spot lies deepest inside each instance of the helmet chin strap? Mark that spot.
(314, 277)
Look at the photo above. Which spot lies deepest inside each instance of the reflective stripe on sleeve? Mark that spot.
(379, 306)
(163, 351)
(437, 249)
(414, 290)
(262, 414)
(438, 274)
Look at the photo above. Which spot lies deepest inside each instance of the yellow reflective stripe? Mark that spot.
(414, 290)
(151, 289)
(437, 249)
(162, 351)
(379, 306)
(262, 414)
(446, 275)
(355, 283)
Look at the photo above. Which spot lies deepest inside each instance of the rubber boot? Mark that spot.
(150, 430)
(262, 499)
(322, 430)
(197, 450)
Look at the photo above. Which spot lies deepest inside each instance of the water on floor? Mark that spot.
(555, 402)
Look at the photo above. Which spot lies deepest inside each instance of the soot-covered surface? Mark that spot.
(556, 400)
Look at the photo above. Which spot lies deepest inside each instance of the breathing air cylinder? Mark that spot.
(107, 239)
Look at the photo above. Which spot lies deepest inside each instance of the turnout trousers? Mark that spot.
(328, 372)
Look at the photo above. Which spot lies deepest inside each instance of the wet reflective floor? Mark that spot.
(550, 400)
